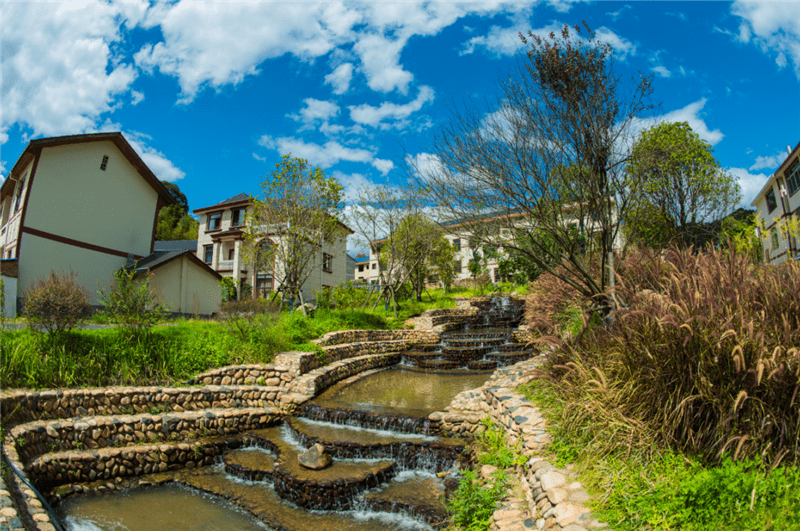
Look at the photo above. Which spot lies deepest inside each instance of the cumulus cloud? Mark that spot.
(217, 44)
(316, 111)
(614, 15)
(340, 78)
(692, 114)
(325, 155)
(772, 26)
(750, 183)
(770, 162)
(501, 41)
(61, 74)
(158, 163)
(375, 116)
(661, 70)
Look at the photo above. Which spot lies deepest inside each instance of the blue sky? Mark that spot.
(211, 94)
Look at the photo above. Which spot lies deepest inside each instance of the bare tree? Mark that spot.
(541, 171)
(294, 224)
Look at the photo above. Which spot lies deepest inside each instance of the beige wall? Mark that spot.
(185, 287)
(10, 220)
(9, 302)
(74, 198)
(40, 256)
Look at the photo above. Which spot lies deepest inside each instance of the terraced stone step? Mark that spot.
(510, 358)
(332, 488)
(252, 464)
(410, 451)
(474, 342)
(440, 364)
(417, 494)
(481, 365)
(465, 353)
(415, 357)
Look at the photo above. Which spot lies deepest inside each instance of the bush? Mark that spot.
(228, 287)
(553, 305)
(56, 303)
(133, 303)
(474, 502)
(706, 363)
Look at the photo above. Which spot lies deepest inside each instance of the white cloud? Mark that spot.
(691, 114)
(505, 41)
(614, 15)
(136, 97)
(384, 166)
(60, 73)
(220, 43)
(750, 183)
(158, 163)
(770, 162)
(325, 155)
(773, 26)
(315, 111)
(662, 71)
(340, 78)
(375, 116)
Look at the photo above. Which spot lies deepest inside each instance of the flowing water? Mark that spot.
(387, 472)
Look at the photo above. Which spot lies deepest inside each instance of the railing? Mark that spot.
(225, 264)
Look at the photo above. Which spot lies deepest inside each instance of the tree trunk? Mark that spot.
(302, 302)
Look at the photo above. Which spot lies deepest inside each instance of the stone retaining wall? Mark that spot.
(311, 384)
(33, 439)
(361, 336)
(25, 406)
(270, 375)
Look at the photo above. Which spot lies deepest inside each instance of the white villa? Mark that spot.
(221, 243)
(777, 204)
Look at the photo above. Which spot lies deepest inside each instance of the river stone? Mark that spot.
(314, 458)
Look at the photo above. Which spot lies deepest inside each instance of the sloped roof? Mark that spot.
(175, 245)
(238, 198)
(35, 146)
(159, 258)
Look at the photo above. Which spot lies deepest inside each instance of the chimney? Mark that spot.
(789, 150)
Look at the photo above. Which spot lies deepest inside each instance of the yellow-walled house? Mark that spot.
(87, 204)
(777, 210)
(221, 244)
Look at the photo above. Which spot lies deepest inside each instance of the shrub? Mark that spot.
(133, 303)
(551, 304)
(228, 287)
(708, 362)
(473, 503)
(245, 318)
(57, 302)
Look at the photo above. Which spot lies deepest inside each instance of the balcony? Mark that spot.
(223, 265)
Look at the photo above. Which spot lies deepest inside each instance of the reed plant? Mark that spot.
(703, 358)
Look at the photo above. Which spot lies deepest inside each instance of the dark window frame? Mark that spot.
(772, 202)
(457, 244)
(214, 216)
(327, 263)
(793, 177)
(208, 254)
(237, 217)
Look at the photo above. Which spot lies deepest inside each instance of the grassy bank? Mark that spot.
(681, 412)
(164, 354)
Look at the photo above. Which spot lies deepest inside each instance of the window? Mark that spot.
(208, 254)
(793, 177)
(473, 243)
(457, 244)
(214, 221)
(231, 253)
(361, 268)
(772, 204)
(237, 217)
(104, 163)
(374, 265)
(327, 263)
(775, 241)
(18, 195)
(457, 266)
(490, 251)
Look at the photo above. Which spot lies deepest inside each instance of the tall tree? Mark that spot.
(174, 221)
(294, 224)
(417, 244)
(547, 158)
(683, 188)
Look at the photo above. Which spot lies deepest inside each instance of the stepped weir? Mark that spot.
(238, 437)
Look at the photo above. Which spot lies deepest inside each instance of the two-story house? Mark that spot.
(88, 205)
(778, 208)
(221, 243)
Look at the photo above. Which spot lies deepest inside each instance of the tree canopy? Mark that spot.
(682, 186)
(294, 224)
(547, 157)
(174, 221)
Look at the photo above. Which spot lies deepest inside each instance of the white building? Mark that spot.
(777, 204)
(221, 244)
(88, 205)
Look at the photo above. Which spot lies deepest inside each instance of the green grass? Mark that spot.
(666, 490)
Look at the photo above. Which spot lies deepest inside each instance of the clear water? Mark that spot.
(403, 391)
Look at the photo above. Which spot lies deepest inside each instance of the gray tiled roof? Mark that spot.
(158, 257)
(175, 245)
(237, 197)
